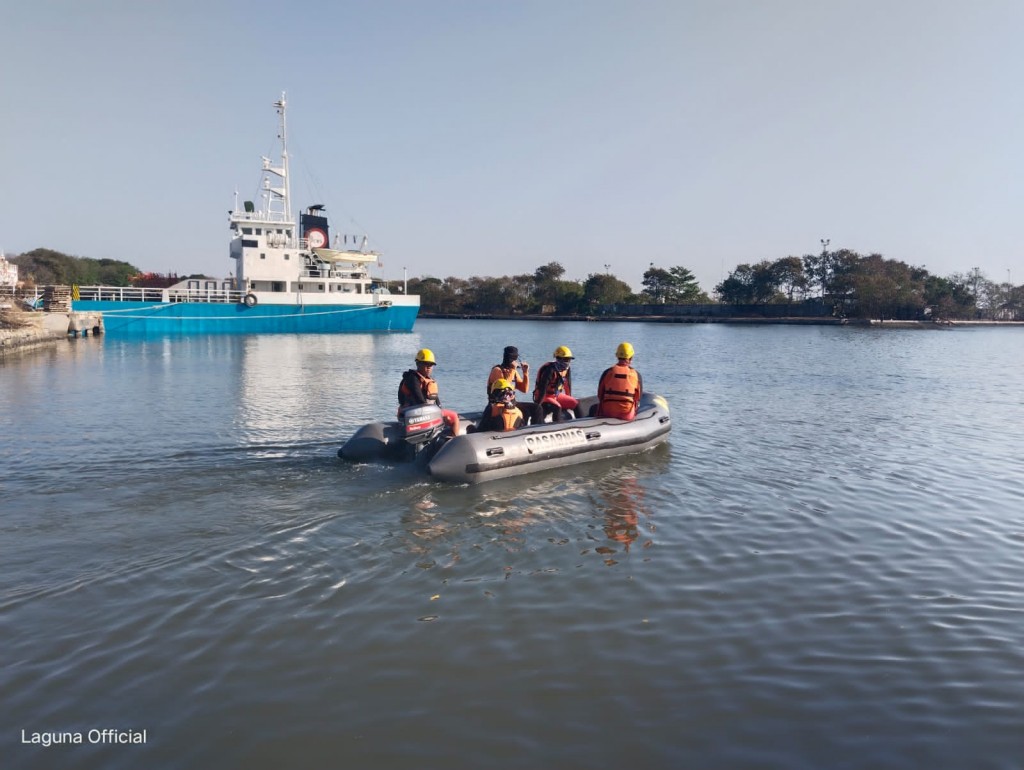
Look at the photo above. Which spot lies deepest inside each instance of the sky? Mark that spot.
(489, 138)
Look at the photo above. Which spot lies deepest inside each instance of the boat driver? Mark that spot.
(418, 386)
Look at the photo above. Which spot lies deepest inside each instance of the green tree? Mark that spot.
(676, 286)
(488, 295)
(738, 287)
(547, 285)
(569, 297)
(46, 266)
(887, 288)
(657, 282)
(788, 276)
(750, 284)
(605, 289)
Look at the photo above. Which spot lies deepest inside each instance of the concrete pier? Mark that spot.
(21, 330)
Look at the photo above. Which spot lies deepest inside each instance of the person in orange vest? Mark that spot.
(418, 386)
(620, 386)
(553, 392)
(502, 412)
(508, 369)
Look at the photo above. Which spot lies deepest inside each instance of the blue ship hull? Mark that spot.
(124, 319)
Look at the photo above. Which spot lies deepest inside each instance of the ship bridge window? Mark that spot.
(193, 285)
(263, 256)
(247, 231)
(211, 284)
(259, 231)
(287, 257)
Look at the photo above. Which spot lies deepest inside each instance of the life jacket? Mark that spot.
(427, 384)
(509, 416)
(553, 381)
(509, 373)
(619, 391)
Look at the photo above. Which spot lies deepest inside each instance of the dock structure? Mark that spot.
(82, 324)
(25, 329)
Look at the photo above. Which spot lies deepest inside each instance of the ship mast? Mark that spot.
(279, 203)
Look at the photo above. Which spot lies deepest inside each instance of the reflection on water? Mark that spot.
(624, 505)
(443, 520)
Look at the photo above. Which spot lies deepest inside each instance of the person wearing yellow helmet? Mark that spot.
(553, 393)
(508, 369)
(418, 386)
(501, 413)
(620, 387)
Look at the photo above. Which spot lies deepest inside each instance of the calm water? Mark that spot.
(823, 568)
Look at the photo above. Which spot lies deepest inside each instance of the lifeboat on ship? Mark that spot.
(472, 457)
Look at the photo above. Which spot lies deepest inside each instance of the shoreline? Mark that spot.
(743, 320)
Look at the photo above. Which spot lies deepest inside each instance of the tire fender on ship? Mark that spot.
(249, 300)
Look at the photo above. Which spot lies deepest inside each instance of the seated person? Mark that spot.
(509, 369)
(553, 393)
(620, 387)
(501, 413)
(418, 386)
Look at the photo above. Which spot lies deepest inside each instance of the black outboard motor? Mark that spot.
(417, 429)
(421, 424)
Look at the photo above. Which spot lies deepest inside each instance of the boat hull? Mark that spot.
(478, 457)
(156, 318)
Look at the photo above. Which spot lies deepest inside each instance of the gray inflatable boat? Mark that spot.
(471, 458)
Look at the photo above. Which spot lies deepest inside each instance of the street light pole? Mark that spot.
(824, 268)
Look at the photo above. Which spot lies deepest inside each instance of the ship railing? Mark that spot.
(221, 296)
(143, 294)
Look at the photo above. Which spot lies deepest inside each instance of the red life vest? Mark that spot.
(619, 392)
(553, 381)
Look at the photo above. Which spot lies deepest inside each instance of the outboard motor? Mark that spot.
(418, 428)
(421, 424)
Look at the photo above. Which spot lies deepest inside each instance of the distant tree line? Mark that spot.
(547, 291)
(44, 267)
(872, 287)
(855, 286)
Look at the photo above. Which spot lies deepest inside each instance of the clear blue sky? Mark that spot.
(473, 137)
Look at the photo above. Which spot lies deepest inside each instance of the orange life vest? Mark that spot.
(509, 416)
(427, 384)
(510, 373)
(619, 391)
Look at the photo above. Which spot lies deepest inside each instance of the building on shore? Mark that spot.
(8, 273)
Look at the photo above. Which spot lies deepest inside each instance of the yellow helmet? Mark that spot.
(501, 384)
(425, 356)
(563, 352)
(624, 350)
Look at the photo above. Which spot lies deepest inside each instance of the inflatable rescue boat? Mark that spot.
(473, 457)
